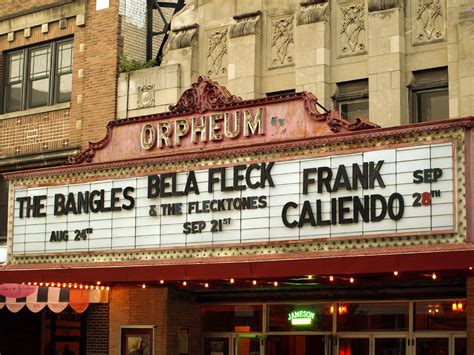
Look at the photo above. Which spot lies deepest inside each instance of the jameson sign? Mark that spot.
(390, 191)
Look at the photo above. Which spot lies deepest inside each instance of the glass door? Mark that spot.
(217, 345)
(354, 345)
(297, 344)
(460, 345)
(440, 344)
(372, 344)
(432, 345)
(393, 345)
(249, 344)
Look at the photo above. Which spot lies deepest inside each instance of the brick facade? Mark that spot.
(168, 310)
(11, 7)
(183, 313)
(97, 329)
(132, 306)
(470, 314)
(96, 50)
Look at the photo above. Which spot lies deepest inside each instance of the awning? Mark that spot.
(56, 298)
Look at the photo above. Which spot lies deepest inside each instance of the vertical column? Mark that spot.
(386, 63)
(452, 19)
(313, 52)
(466, 59)
(245, 56)
(181, 49)
(470, 314)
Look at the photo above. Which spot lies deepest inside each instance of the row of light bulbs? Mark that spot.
(98, 286)
(184, 283)
(331, 278)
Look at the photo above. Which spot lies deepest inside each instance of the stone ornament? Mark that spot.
(310, 12)
(245, 24)
(146, 96)
(352, 30)
(429, 21)
(282, 41)
(216, 53)
(381, 5)
(179, 38)
(204, 95)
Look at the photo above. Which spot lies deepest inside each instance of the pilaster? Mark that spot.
(244, 56)
(386, 66)
(312, 51)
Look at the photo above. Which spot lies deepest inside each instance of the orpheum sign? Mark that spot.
(394, 190)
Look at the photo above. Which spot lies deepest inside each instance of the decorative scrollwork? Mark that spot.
(428, 17)
(215, 53)
(353, 24)
(87, 155)
(282, 39)
(204, 95)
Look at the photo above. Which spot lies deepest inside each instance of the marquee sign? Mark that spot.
(379, 192)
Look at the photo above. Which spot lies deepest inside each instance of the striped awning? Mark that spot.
(56, 298)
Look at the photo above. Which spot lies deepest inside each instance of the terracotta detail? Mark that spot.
(204, 95)
(87, 155)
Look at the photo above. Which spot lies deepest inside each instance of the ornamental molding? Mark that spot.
(352, 30)
(312, 12)
(204, 95)
(381, 5)
(217, 53)
(245, 24)
(282, 41)
(182, 37)
(312, 127)
(146, 96)
(452, 129)
(429, 21)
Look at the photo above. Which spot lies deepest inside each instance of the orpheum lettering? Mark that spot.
(203, 129)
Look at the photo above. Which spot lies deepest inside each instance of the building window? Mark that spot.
(38, 76)
(352, 99)
(429, 95)
(281, 93)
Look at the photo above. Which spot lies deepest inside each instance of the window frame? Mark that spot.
(27, 82)
(423, 82)
(416, 107)
(345, 94)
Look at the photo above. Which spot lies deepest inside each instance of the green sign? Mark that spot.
(301, 317)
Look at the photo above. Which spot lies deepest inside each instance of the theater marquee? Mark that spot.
(378, 192)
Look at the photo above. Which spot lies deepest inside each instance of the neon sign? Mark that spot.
(301, 317)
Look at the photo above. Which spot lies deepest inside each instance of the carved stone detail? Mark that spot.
(87, 155)
(380, 5)
(146, 96)
(310, 12)
(217, 53)
(204, 95)
(282, 44)
(429, 21)
(180, 38)
(352, 39)
(245, 24)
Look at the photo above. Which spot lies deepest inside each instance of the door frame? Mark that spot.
(371, 336)
(259, 336)
(439, 334)
(228, 336)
